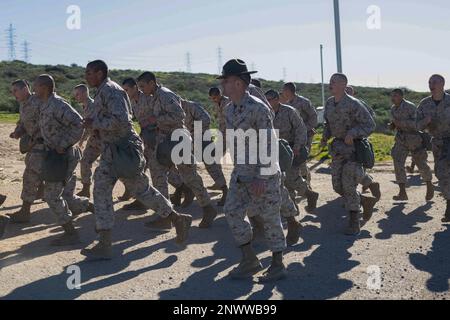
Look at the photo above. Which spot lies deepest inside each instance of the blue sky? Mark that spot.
(270, 35)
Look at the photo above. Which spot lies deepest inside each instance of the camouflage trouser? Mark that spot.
(187, 172)
(442, 168)
(346, 175)
(304, 170)
(214, 170)
(288, 207)
(139, 187)
(174, 178)
(60, 196)
(90, 154)
(400, 154)
(240, 199)
(32, 174)
(295, 182)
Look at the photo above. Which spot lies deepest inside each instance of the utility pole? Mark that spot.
(321, 70)
(337, 27)
(26, 51)
(11, 42)
(219, 60)
(284, 74)
(188, 63)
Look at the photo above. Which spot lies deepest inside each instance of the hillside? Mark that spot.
(191, 86)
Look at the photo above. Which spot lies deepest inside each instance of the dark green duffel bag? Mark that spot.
(55, 166)
(364, 153)
(286, 155)
(164, 152)
(302, 157)
(127, 158)
(426, 141)
(149, 134)
(25, 144)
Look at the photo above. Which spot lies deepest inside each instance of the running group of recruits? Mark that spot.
(52, 134)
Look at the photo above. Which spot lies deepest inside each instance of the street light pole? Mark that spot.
(321, 69)
(337, 26)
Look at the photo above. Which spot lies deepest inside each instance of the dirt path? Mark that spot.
(407, 243)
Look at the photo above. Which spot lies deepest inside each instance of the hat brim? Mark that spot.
(237, 75)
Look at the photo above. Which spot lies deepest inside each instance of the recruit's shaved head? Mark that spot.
(47, 81)
(438, 78)
(340, 77)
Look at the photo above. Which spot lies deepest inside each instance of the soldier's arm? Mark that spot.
(172, 114)
(118, 115)
(66, 115)
(300, 130)
(421, 119)
(364, 123)
(312, 116)
(200, 114)
(409, 123)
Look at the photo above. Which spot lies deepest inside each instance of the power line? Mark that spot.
(11, 42)
(26, 51)
(188, 63)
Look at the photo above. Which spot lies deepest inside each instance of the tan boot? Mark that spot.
(23, 215)
(2, 199)
(249, 264)
(86, 191)
(160, 224)
(311, 198)
(276, 271)
(188, 196)
(70, 237)
(402, 196)
(354, 227)
(293, 234)
(134, 206)
(176, 197)
(222, 201)
(182, 224)
(4, 221)
(375, 190)
(102, 250)
(430, 191)
(209, 214)
(368, 203)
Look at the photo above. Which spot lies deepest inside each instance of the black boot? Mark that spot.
(23, 215)
(402, 196)
(354, 227)
(249, 264)
(86, 191)
(276, 271)
(222, 201)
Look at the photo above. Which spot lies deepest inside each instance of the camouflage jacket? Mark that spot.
(195, 112)
(306, 111)
(291, 127)
(167, 109)
(29, 118)
(220, 113)
(61, 125)
(440, 116)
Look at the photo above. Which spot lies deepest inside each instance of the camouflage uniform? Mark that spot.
(293, 130)
(252, 113)
(367, 180)
(439, 128)
(308, 114)
(61, 128)
(349, 116)
(93, 147)
(408, 140)
(112, 120)
(195, 112)
(166, 107)
(29, 124)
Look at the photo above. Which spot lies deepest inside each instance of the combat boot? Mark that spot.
(209, 214)
(182, 224)
(311, 198)
(70, 236)
(176, 197)
(188, 196)
(368, 203)
(249, 264)
(102, 250)
(126, 196)
(2, 199)
(86, 191)
(257, 226)
(375, 190)
(215, 186)
(160, 224)
(23, 215)
(402, 196)
(354, 227)
(446, 218)
(293, 234)
(430, 191)
(4, 220)
(276, 271)
(134, 206)
(222, 201)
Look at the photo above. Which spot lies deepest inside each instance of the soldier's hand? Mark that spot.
(14, 135)
(349, 140)
(258, 187)
(391, 126)
(87, 123)
(80, 144)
